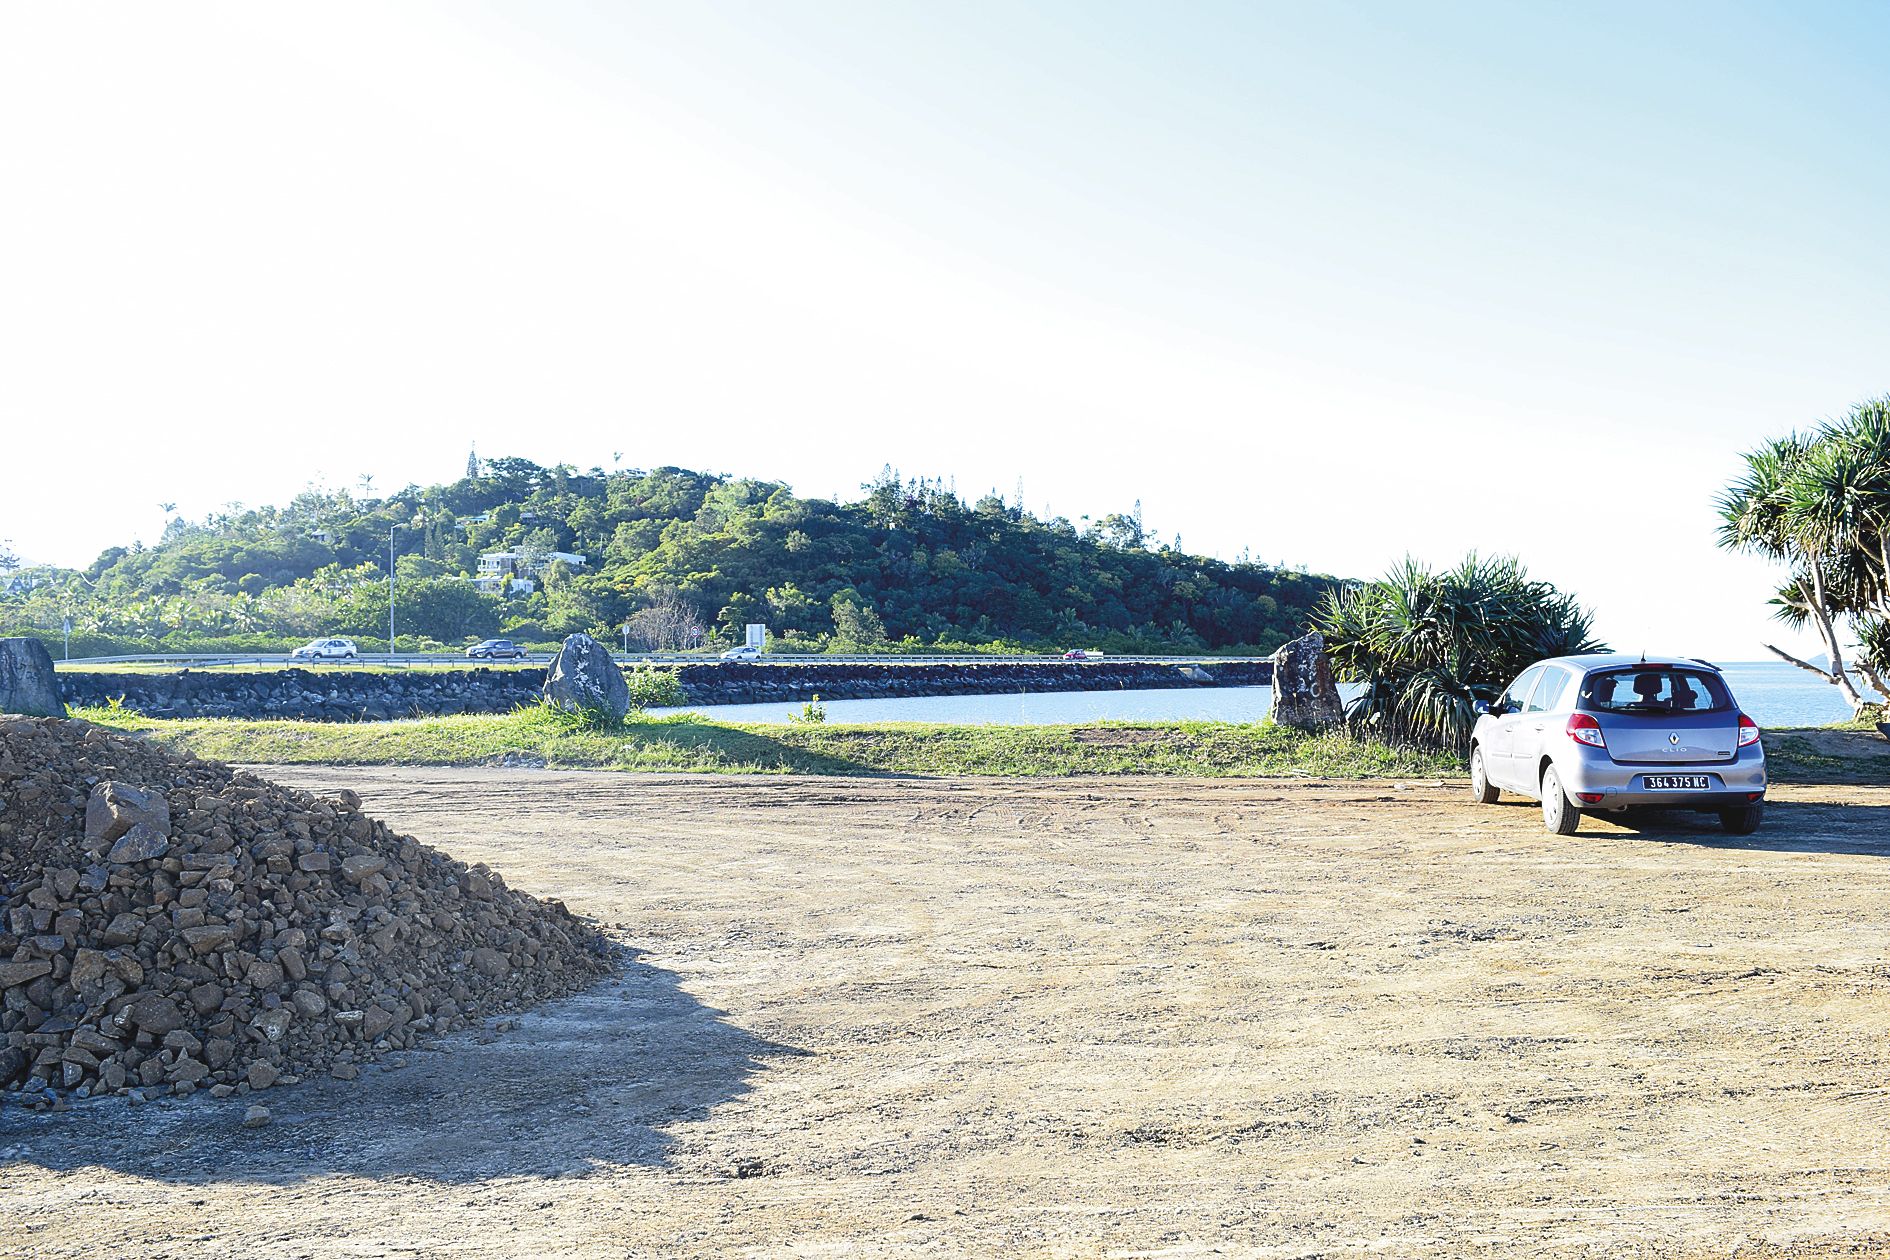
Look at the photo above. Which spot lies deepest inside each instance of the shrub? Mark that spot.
(553, 719)
(652, 687)
(1428, 646)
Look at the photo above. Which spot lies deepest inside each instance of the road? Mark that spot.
(435, 659)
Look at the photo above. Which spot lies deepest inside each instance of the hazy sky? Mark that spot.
(1329, 282)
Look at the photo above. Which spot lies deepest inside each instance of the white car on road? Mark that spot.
(746, 652)
(326, 650)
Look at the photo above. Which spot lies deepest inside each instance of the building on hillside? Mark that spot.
(21, 581)
(515, 572)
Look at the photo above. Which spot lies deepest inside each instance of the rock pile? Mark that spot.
(167, 924)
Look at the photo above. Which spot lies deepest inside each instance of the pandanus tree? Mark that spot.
(1819, 504)
(1429, 645)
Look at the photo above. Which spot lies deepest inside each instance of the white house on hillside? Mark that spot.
(514, 571)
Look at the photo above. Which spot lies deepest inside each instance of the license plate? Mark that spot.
(1675, 782)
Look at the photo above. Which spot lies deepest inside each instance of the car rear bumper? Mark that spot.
(1710, 802)
(1729, 783)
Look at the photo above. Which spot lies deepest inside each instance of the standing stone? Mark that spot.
(27, 682)
(584, 677)
(1304, 695)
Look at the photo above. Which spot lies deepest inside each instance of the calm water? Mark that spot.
(1774, 693)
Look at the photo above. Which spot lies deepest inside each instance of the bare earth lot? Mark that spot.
(1082, 1018)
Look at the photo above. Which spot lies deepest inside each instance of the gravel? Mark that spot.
(168, 925)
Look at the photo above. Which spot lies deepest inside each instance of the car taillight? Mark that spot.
(1748, 731)
(1583, 729)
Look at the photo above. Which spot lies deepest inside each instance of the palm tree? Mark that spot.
(1820, 505)
(1428, 646)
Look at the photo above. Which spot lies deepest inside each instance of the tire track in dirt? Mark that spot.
(1081, 1017)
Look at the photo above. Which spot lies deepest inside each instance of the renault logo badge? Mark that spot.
(1673, 739)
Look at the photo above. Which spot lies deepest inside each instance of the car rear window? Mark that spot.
(1654, 689)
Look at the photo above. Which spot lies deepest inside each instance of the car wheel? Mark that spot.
(1743, 820)
(1480, 779)
(1559, 814)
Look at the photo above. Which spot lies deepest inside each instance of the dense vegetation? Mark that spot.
(1819, 504)
(1428, 646)
(685, 558)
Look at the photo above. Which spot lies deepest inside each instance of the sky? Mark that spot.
(1329, 284)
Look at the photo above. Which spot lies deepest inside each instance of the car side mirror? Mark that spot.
(1491, 710)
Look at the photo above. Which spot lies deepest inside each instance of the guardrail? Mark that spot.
(208, 660)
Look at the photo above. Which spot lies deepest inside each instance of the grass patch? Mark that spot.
(686, 742)
(1847, 753)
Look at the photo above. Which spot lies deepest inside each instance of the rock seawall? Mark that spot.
(341, 695)
(739, 683)
(318, 695)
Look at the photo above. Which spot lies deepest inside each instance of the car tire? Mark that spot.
(1743, 820)
(1480, 786)
(1559, 814)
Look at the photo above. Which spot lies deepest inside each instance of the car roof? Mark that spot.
(1592, 661)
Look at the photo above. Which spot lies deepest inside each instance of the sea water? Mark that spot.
(1773, 693)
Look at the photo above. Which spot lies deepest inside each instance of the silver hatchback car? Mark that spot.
(1613, 733)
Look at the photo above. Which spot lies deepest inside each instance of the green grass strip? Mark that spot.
(688, 743)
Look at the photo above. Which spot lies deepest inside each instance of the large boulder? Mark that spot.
(1304, 695)
(583, 678)
(115, 808)
(27, 682)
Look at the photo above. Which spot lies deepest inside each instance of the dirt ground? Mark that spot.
(1077, 1018)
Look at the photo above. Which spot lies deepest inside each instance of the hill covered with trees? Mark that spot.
(686, 558)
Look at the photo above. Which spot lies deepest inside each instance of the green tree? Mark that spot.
(1819, 504)
(856, 626)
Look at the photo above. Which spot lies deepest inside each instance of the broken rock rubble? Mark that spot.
(168, 924)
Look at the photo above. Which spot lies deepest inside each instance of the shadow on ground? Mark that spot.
(726, 746)
(1789, 827)
(603, 1078)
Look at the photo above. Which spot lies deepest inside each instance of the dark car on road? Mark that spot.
(497, 650)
